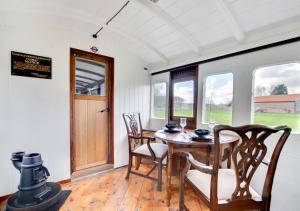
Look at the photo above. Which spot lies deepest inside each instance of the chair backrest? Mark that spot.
(248, 154)
(133, 123)
(134, 128)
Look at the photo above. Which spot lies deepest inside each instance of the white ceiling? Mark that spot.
(162, 32)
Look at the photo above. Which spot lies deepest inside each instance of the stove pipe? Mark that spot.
(16, 159)
(35, 193)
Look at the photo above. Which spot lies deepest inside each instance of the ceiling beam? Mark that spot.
(138, 41)
(81, 85)
(84, 77)
(128, 36)
(97, 64)
(89, 85)
(230, 20)
(171, 22)
(82, 82)
(96, 83)
(88, 71)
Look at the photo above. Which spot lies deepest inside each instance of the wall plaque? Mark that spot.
(30, 65)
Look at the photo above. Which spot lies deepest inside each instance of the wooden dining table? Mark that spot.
(182, 142)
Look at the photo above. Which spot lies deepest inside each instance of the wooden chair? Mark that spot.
(230, 189)
(143, 147)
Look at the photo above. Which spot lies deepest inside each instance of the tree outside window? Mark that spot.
(277, 95)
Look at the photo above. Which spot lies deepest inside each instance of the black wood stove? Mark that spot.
(35, 193)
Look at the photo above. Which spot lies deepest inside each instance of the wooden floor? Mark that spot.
(112, 192)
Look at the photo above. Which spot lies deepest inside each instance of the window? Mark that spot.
(218, 92)
(277, 95)
(183, 99)
(183, 95)
(90, 77)
(159, 100)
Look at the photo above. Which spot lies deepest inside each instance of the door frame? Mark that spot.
(110, 95)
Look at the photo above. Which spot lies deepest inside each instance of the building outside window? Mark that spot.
(277, 95)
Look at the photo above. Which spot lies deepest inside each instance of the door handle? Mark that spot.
(105, 110)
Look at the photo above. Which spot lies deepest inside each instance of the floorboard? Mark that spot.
(111, 192)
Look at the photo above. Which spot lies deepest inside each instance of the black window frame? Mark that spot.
(181, 75)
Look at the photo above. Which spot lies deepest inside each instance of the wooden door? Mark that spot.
(91, 105)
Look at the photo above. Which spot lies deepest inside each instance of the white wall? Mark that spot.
(35, 114)
(286, 187)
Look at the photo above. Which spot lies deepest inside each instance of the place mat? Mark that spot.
(175, 130)
(201, 138)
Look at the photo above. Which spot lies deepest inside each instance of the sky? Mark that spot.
(160, 89)
(219, 89)
(288, 74)
(185, 90)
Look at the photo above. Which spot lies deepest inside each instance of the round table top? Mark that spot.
(186, 138)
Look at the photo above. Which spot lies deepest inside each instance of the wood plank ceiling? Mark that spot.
(176, 27)
(165, 30)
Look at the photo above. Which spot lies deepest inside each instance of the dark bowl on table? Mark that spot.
(201, 132)
(171, 126)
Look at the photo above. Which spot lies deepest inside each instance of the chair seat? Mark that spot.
(158, 148)
(226, 183)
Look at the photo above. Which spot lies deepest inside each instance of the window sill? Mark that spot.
(156, 118)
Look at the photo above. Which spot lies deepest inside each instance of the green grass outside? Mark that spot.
(183, 112)
(159, 113)
(274, 119)
(220, 116)
(224, 116)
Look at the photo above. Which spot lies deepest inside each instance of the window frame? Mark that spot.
(204, 97)
(152, 100)
(182, 75)
(253, 89)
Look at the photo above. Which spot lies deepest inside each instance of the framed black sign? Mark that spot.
(31, 65)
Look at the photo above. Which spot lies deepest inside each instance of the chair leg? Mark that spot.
(267, 205)
(159, 177)
(167, 163)
(181, 192)
(129, 167)
(137, 163)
